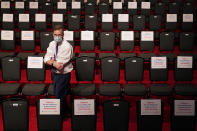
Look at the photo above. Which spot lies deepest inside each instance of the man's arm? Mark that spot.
(49, 58)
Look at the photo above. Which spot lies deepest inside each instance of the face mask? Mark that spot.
(57, 39)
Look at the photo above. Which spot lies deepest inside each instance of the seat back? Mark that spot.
(134, 69)
(35, 72)
(11, 68)
(110, 68)
(85, 68)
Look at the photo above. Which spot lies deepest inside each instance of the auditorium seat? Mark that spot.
(110, 71)
(45, 39)
(23, 21)
(27, 40)
(183, 70)
(158, 69)
(41, 22)
(85, 65)
(107, 22)
(10, 72)
(107, 41)
(62, 7)
(7, 40)
(35, 74)
(87, 40)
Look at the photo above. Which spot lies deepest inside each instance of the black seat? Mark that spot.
(10, 72)
(35, 73)
(110, 71)
(85, 65)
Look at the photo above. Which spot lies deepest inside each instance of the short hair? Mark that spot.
(58, 27)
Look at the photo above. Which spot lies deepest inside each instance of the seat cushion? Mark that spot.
(185, 89)
(135, 89)
(123, 56)
(146, 56)
(5, 54)
(160, 89)
(84, 90)
(88, 54)
(110, 90)
(9, 88)
(102, 55)
(33, 89)
(51, 90)
(24, 55)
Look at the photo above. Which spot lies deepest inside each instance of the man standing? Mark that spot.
(58, 56)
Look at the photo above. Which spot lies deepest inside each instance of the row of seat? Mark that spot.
(90, 22)
(111, 90)
(110, 71)
(103, 7)
(122, 56)
(107, 40)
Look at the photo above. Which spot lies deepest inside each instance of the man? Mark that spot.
(58, 56)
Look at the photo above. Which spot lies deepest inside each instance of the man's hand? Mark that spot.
(50, 62)
(58, 65)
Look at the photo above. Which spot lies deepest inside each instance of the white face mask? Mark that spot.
(57, 39)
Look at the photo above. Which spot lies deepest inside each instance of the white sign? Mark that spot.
(84, 107)
(8, 17)
(49, 106)
(171, 17)
(123, 18)
(19, 5)
(76, 5)
(184, 107)
(107, 18)
(127, 35)
(150, 107)
(117, 5)
(187, 17)
(7, 35)
(35, 62)
(147, 36)
(27, 35)
(158, 62)
(5, 5)
(69, 35)
(87, 35)
(23, 17)
(40, 18)
(184, 61)
(57, 18)
(145, 5)
(33, 5)
(61, 5)
(132, 5)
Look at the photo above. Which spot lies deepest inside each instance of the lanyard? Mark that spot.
(55, 54)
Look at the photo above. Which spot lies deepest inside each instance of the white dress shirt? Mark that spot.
(64, 55)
